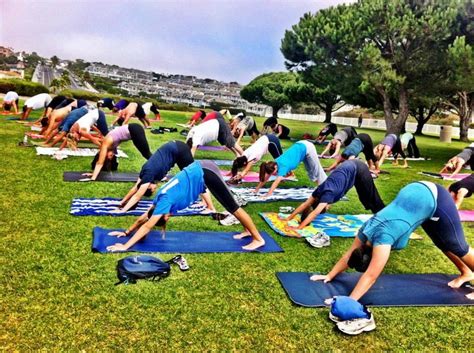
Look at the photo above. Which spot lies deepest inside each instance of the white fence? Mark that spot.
(375, 124)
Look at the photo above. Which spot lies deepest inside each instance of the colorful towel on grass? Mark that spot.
(466, 215)
(36, 128)
(211, 148)
(446, 176)
(252, 177)
(34, 136)
(80, 152)
(331, 224)
(290, 194)
(105, 206)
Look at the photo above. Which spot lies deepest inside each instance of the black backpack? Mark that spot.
(131, 268)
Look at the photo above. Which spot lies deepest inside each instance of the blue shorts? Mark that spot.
(446, 232)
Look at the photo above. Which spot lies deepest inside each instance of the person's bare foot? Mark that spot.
(254, 245)
(458, 282)
(242, 235)
(470, 296)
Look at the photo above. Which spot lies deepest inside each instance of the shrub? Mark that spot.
(22, 87)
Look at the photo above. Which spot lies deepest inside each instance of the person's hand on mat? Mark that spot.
(117, 247)
(117, 233)
(87, 174)
(85, 179)
(324, 278)
(117, 210)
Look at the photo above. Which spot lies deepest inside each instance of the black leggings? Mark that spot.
(274, 146)
(368, 150)
(366, 190)
(444, 228)
(137, 134)
(466, 183)
(412, 148)
(224, 137)
(217, 186)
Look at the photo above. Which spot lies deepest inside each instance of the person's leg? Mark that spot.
(366, 190)
(26, 112)
(139, 140)
(413, 150)
(313, 167)
(274, 146)
(445, 230)
(222, 193)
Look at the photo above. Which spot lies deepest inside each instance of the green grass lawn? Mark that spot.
(58, 295)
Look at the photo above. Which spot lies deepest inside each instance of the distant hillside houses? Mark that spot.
(182, 89)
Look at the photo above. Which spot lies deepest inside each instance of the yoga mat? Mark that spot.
(389, 290)
(36, 128)
(103, 176)
(253, 177)
(466, 215)
(183, 242)
(446, 176)
(211, 148)
(105, 206)
(17, 118)
(219, 162)
(419, 159)
(34, 136)
(290, 194)
(333, 225)
(80, 152)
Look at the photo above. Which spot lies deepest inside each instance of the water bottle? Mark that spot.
(25, 139)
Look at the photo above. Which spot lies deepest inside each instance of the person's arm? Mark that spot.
(129, 194)
(337, 149)
(241, 133)
(101, 159)
(238, 151)
(140, 220)
(127, 117)
(262, 183)
(340, 265)
(246, 170)
(458, 164)
(132, 198)
(139, 235)
(333, 166)
(302, 207)
(15, 107)
(280, 130)
(87, 135)
(326, 149)
(206, 197)
(274, 186)
(380, 256)
(320, 208)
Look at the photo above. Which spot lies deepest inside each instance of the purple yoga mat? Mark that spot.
(457, 177)
(466, 215)
(211, 148)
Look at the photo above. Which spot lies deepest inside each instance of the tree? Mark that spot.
(55, 61)
(390, 47)
(269, 89)
(461, 63)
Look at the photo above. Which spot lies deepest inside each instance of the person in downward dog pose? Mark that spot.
(108, 148)
(180, 192)
(154, 170)
(461, 189)
(301, 151)
(455, 164)
(253, 154)
(351, 173)
(82, 127)
(329, 129)
(341, 138)
(419, 203)
(390, 144)
(361, 143)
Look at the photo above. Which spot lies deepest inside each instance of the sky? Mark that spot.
(228, 40)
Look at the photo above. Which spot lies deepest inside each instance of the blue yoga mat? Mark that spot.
(182, 242)
(389, 290)
(104, 206)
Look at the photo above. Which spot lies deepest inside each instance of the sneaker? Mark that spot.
(229, 220)
(333, 317)
(319, 240)
(357, 326)
(180, 261)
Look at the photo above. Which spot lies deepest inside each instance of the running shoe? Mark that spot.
(319, 240)
(357, 326)
(229, 220)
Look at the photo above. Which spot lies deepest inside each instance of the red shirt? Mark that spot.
(210, 116)
(196, 116)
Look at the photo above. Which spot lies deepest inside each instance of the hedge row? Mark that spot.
(22, 87)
